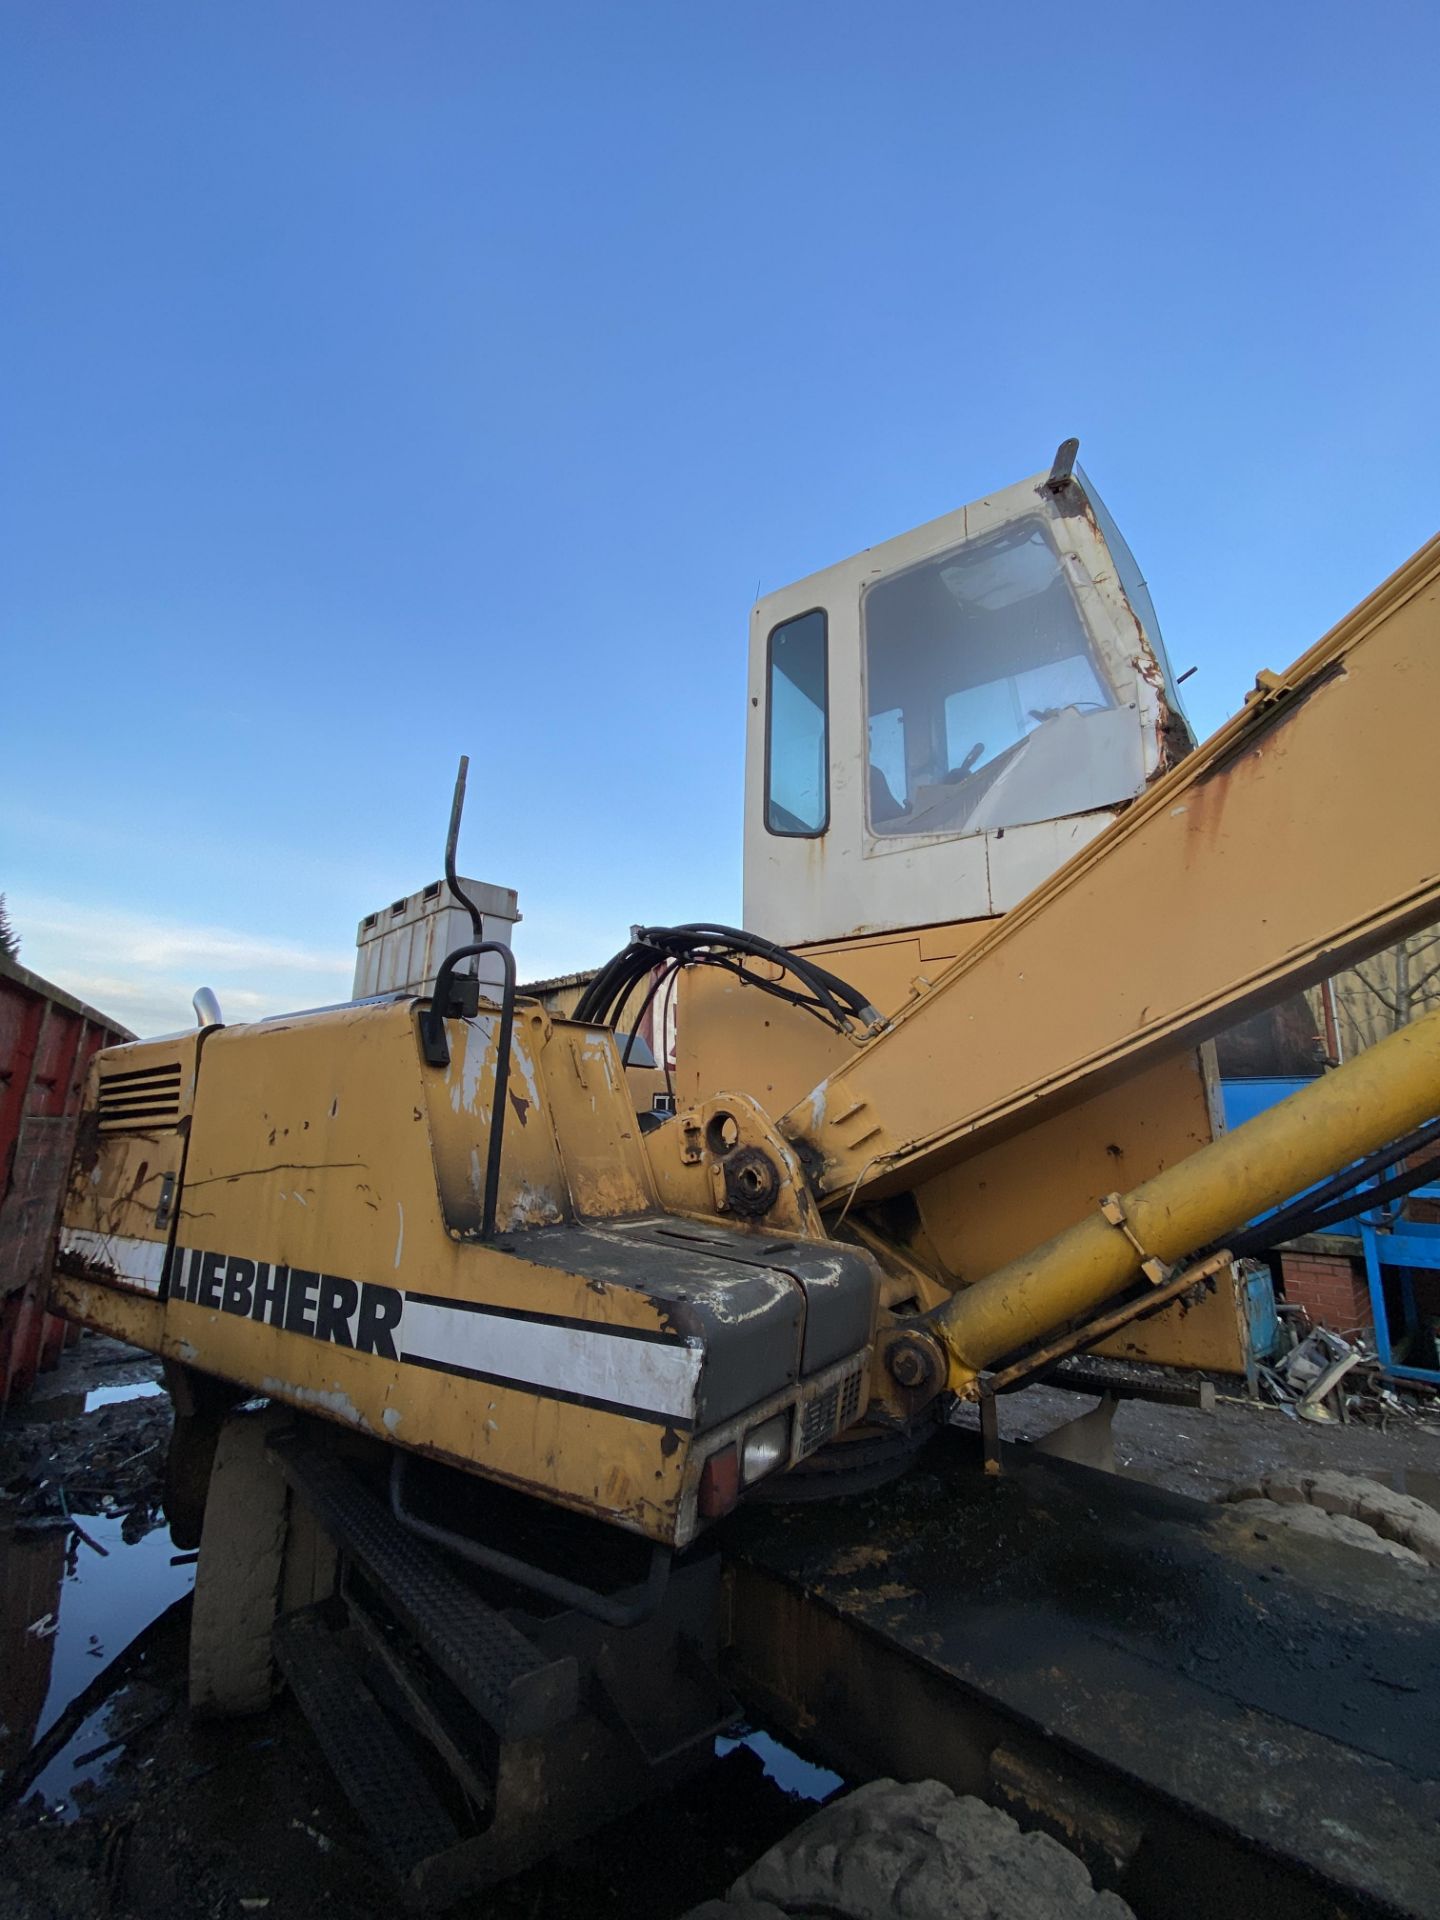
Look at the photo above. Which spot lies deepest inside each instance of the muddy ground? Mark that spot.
(137, 1811)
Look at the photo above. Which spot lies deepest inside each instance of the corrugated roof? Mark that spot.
(559, 980)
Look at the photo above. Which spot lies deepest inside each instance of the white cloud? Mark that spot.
(140, 940)
(143, 971)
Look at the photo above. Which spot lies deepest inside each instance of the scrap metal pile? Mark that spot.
(1326, 1377)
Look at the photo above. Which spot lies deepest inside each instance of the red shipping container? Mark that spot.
(47, 1040)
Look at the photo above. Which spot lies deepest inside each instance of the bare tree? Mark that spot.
(1387, 992)
(9, 939)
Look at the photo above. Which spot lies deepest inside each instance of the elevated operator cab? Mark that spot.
(937, 724)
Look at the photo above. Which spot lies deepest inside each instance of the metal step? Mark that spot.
(380, 1775)
(407, 1687)
(514, 1688)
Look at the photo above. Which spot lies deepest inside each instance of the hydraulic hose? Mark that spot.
(826, 995)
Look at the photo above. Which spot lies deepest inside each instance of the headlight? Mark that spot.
(766, 1447)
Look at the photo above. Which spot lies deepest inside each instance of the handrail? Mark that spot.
(435, 1044)
(554, 1586)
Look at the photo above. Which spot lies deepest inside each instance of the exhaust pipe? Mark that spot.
(207, 1009)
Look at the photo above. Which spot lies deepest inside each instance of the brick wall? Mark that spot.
(1330, 1287)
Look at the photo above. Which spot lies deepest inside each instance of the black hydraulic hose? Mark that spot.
(437, 1053)
(569, 1593)
(1296, 1221)
(642, 965)
(667, 973)
(611, 1009)
(1395, 1188)
(662, 950)
(809, 970)
(806, 1001)
(1292, 1219)
(608, 1008)
(815, 976)
(596, 994)
(628, 965)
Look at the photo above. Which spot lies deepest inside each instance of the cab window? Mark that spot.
(797, 745)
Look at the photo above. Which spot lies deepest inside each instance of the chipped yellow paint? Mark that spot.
(128, 1316)
(977, 1215)
(688, 1172)
(117, 1178)
(321, 1141)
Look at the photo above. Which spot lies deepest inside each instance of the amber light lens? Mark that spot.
(719, 1483)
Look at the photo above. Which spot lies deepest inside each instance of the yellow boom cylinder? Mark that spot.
(1374, 1099)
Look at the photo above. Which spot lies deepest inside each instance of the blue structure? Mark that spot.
(1406, 1246)
(1242, 1099)
(1403, 1246)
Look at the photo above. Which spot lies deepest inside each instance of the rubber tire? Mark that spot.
(189, 1463)
(237, 1583)
(200, 1402)
(893, 1852)
(1344, 1507)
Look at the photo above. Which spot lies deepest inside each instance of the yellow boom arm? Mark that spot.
(1298, 839)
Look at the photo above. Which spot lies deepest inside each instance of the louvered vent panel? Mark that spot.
(830, 1412)
(141, 1100)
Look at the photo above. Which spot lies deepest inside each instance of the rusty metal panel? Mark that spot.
(47, 1041)
(120, 1205)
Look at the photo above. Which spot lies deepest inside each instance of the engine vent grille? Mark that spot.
(141, 1100)
(830, 1412)
(817, 1420)
(849, 1402)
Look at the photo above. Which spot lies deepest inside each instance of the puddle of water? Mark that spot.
(785, 1768)
(41, 1408)
(65, 1612)
(87, 1757)
(112, 1396)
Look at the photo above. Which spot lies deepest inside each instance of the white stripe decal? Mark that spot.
(651, 1375)
(133, 1262)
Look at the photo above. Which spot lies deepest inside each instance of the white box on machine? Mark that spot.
(399, 948)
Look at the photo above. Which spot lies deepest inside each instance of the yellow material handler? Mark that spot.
(540, 1365)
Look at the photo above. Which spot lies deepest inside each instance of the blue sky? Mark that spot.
(389, 381)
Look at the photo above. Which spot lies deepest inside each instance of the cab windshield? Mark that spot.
(988, 705)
